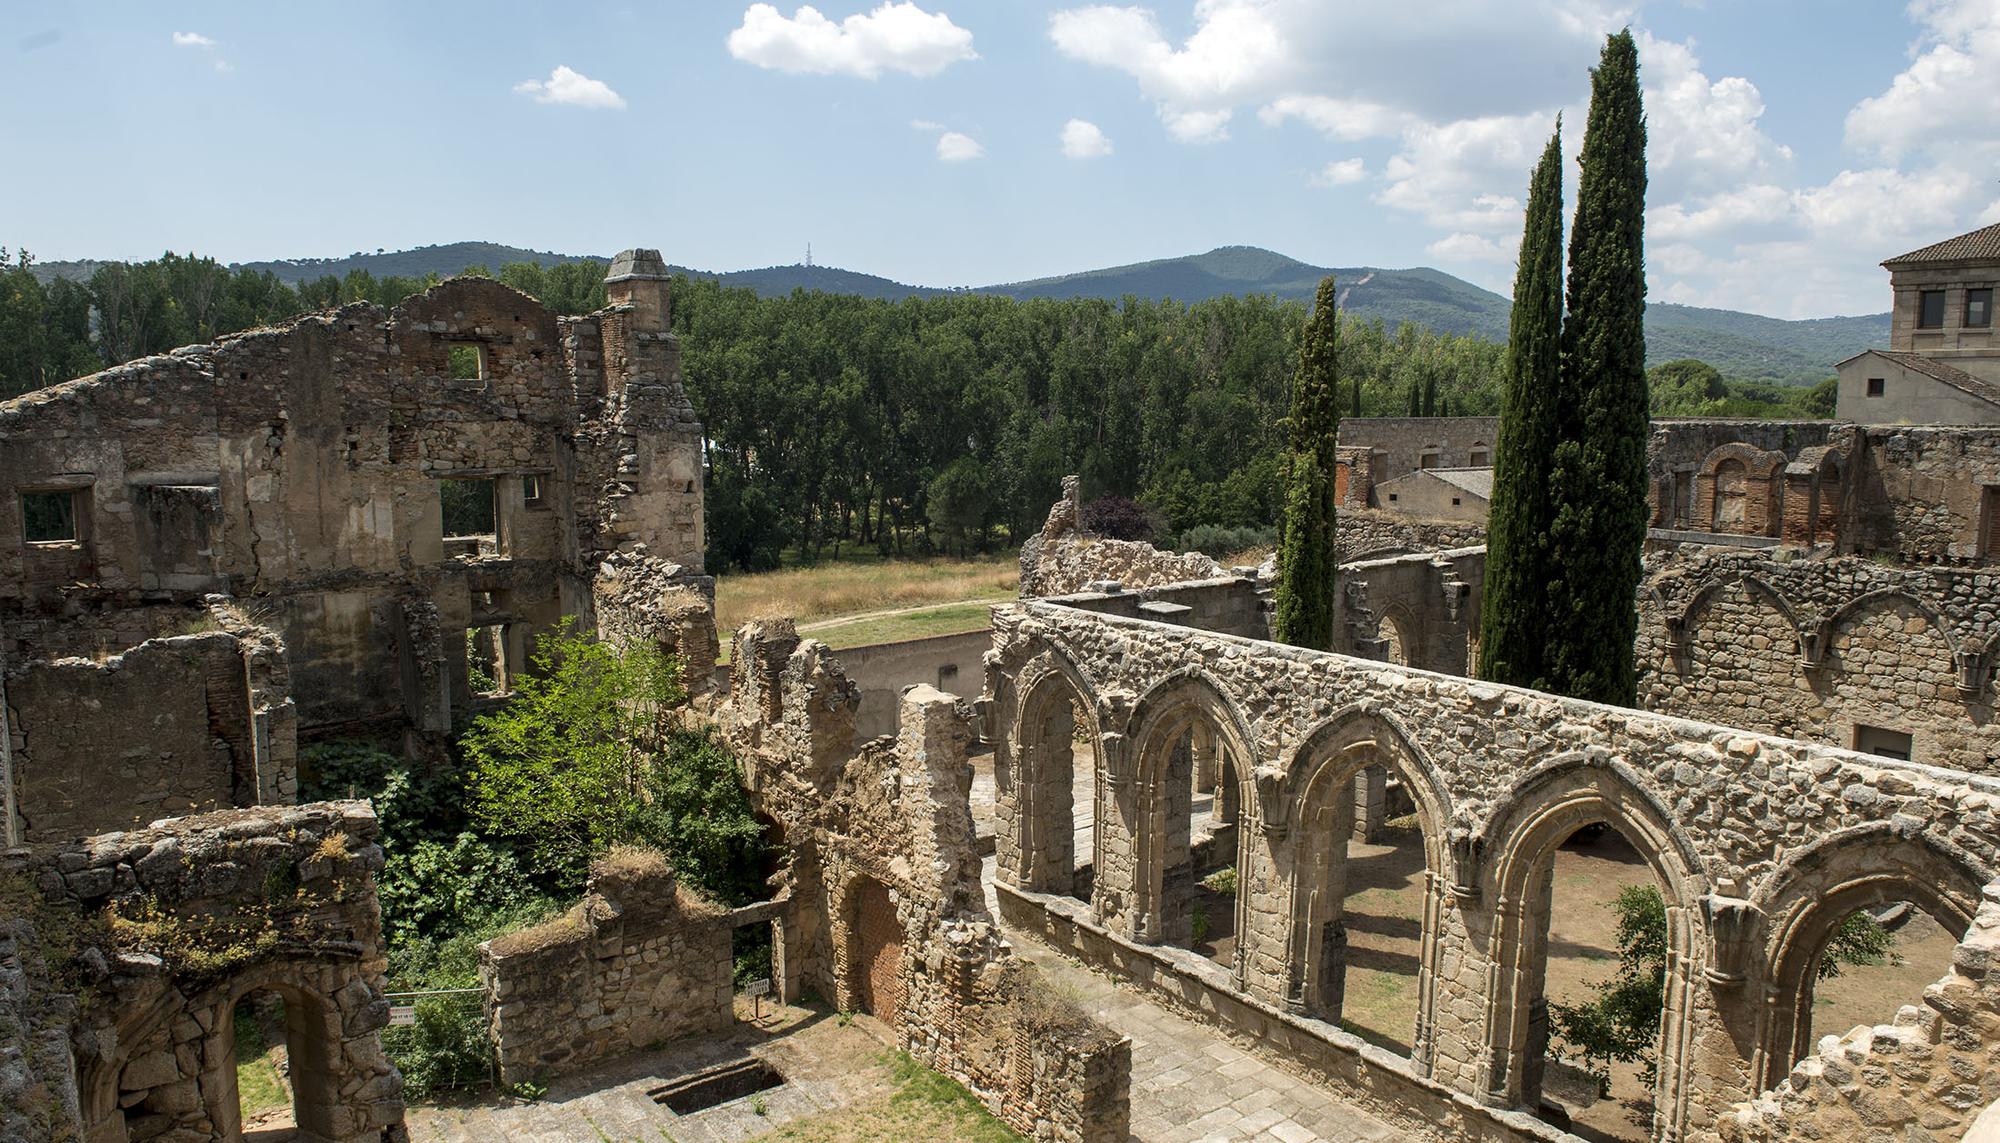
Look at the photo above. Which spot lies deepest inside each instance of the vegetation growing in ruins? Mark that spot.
(1621, 1023)
(1303, 614)
(1598, 476)
(1510, 620)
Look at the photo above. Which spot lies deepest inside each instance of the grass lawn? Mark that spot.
(927, 597)
(951, 619)
(925, 1106)
(258, 1087)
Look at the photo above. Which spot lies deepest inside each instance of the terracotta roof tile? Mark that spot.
(1981, 245)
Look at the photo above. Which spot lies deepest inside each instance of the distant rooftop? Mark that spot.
(1937, 370)
(1982, 245)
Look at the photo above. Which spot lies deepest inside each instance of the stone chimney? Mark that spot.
(639, 278)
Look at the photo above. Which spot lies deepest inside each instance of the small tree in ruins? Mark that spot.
(1306, 555)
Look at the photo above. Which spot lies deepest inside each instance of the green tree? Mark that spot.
(1684, 388)
(1598, 478)
(562, 768)
(1512, 610)
(957, 501)
(1306, 554)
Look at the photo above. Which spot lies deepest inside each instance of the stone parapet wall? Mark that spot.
(1925, 1076)
(1371, 534)
(165, 929)
(1230, 604)
(640, 960)
(1762, 845)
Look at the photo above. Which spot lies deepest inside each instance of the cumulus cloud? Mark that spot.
(1471, 248)
(572, 89)
(953, 147)
(1082, 139)
(192, 40)
(1341, 172)
(894, 37)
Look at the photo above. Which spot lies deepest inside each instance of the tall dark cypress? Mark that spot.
(1598, 479)
(1512, 613)
(1303, 614)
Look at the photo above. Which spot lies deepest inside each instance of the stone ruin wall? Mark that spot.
(640, 960)
(890, 821)
(1761, 844)
(156, 934)
(1926, 1075)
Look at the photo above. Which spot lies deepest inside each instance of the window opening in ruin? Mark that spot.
(1732, 497)
(1883, 742)
(1930, 309)
(466, 361)
(1599, 949)
(486, 674)
(1877, 386)
(1395, 643)
(1874, 961)
(875, 956)
(947, 676)
(1979, 308)
(1056, 767)
(468, 507)
(49, 517)
(531, 491)
(1194, 816)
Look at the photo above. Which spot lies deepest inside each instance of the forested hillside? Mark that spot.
(1744, 347)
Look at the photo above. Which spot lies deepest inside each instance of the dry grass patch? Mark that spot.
(837, 589)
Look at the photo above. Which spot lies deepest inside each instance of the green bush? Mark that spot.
(1221, 543)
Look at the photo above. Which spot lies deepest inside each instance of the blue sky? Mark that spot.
(1796, 143)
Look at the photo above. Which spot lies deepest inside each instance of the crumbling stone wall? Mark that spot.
(1417, 610)
(1761, 845)
(1816, 648)
(1925, 1075)
(162, 931)
(297, 468)
(176, 725)
(639, 600)
(891, 821)
(640, 960)
(1373, 534)
(1403, 442)
(1921, 493)
(1063, 559)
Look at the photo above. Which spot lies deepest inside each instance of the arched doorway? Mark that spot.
(1054, 755)
(1185, 887)
(278, 1086)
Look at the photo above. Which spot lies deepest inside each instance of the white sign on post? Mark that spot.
(402, 1015)
(758, 988)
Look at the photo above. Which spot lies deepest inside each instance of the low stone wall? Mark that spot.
(1367, 534)
(1924, 1077)
(1228, 605)
(639, 960)
(951, 663)
(1201, 990)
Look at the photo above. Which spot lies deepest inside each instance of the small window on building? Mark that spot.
(1876, 386)
(466, 361)
(49, 517)
(1479, 458)
(1392, 498)
(531, 490)
(1979, 308)
(1882, 742)
(1428, 458)
(1454, 502)
(468, 507)
(1930, 309)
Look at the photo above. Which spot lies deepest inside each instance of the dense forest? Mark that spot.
(909, 426)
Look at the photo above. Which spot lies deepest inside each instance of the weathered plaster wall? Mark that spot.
(951, 663)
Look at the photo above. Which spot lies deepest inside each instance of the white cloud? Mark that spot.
(572, 89)
(953, 147)
(1449, 174)
(1347, 120)
(926, 125)
(1341, 172)
(1701, 133)
(894, 37)
(1463, 247)
(1082, 139)
(1948, 98)
(192, 40)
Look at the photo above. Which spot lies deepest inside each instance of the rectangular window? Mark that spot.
(1989, 521)
(1930, 309)
(468, 507)
(1478, 459)
(1454, 502)
(1392, 498)
(466, 361)
(1876, 386)
(49, 517)
(1882, 742)
(1979, 308)
(1427, 460)
(531, 490)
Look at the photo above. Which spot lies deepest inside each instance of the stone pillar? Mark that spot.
(1371, 803)
(1332, 970)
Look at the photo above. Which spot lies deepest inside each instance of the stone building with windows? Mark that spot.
(1943, 363)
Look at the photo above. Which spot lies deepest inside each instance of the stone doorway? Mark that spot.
(877, 962)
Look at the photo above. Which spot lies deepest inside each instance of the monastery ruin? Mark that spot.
(358, 523)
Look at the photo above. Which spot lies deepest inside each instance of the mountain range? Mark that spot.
(1742, 346)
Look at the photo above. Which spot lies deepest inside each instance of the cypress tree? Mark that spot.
(1306, 557)
(1598, 479)
(1511, 613)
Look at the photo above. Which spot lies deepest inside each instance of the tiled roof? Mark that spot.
(1981, 245)
(1937, 370)
(1478, 481)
